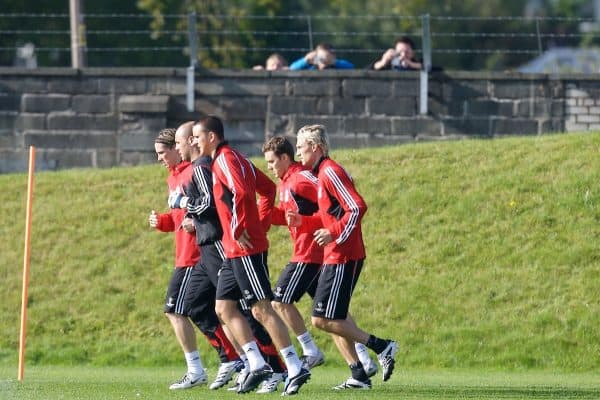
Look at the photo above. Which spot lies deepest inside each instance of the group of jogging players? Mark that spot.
(220, 209)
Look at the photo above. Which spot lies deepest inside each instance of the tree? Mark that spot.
(466, 34)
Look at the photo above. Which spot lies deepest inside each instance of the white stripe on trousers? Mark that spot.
(220, 249)
(335, 290)
(252, 277)
(294, 282)
(179, 304)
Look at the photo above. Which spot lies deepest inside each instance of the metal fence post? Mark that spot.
(78, 41)
(310, 33)
(424, 73)
(191, 70)
(539, 36)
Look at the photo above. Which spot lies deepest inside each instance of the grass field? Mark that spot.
(481, 255)
(151, 383)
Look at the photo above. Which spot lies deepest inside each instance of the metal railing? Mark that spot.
(230, 41)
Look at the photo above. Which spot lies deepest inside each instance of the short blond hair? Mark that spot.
(315, 134)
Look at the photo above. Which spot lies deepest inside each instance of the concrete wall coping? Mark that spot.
(231, 73)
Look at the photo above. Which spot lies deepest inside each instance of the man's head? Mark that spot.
(279, 155)
(325, 56)
(405, 48)
(275, 62)
(312, 144)
(164, 145)
(208, 132)
(183, 141)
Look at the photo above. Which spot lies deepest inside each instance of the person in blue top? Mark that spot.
(322, 57)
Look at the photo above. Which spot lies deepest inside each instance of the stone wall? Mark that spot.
(101, 117)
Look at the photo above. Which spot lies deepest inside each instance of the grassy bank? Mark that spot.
(481, 254)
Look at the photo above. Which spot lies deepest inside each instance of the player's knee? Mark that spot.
(170, 316)
(260, 310)
(221, 310)
(278, 307)
(319, 323)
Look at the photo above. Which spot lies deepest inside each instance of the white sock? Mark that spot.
(363, 353)
(194, 364)
(309, 347)
(292, 362)
(255, 359)
(245, 361)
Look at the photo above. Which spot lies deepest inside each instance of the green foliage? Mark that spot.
(58, 36)
(360, 31)
(41, 6)
(372, 27)
(215, 18)
(480, 254)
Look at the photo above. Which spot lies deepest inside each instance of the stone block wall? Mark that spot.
(582, 106)
(101, 117)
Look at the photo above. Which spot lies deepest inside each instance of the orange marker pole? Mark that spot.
(26, 256)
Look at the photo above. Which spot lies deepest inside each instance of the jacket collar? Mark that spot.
(293, 168)
(180, 167)
(318, 164)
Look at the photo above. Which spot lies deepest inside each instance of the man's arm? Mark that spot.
(308, 223)
(232, 171)
(385, 60)
(278, 216)
(266, 190)
(300, 64)
(340, 185)
(201, 203)
(165, 222)
(343, 64)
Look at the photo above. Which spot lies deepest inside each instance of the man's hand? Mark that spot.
(388, 56)
(188, 225)
(385, 60)
(244, 241)
(323, 237)
(310, 57)
(293, 218)
(153, 219)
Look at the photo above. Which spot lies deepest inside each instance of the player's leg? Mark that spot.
(358, 378)
(200, 300)
(228, 296)
(253, 278)
(330, 313)
(268, 351)
(175, 310)
(295, 280)
(369, 365)
(213, 257)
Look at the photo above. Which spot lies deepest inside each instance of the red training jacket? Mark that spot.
(341, 210)
(236, 181)
(186, 250)
(298, 192)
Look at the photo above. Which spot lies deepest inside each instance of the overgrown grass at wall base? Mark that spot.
(480, 254)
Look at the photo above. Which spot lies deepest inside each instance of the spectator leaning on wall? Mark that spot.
(275, 62)
(401, 57)
(322, 57)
